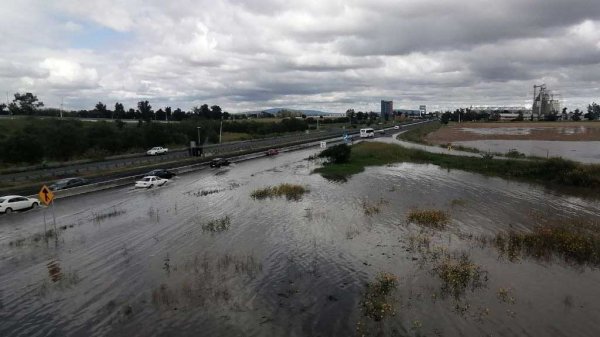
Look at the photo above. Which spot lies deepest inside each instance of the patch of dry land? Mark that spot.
(562, 131)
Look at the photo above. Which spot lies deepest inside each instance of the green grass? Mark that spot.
(554, 171)
(418, 134)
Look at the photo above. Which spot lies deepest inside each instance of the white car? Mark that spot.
(396, 127)
(157, 150)
(150, 181)
(11, 203)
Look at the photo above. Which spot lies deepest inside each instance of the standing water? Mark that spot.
(202, 257)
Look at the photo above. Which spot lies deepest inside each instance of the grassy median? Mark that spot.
(551, 171)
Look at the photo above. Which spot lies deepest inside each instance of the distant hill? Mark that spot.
(275, 111)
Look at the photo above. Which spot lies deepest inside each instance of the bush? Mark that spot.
(337, 154)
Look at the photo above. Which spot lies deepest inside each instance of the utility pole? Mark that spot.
(221, 130)
(61, 106)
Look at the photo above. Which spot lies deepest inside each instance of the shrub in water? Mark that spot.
(337, 154)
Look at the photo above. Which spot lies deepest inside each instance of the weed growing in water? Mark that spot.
(97, 217)
(218, 225)
(429, 218)
(375, 302)
(371, 209)
(574, 242)
(204, 193)
(458, 274)
(290, 191)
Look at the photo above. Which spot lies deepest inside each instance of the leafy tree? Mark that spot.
(178, 115)
(119, 111)
(160, 115)
(168, 113)
(131, 114)
(2, 111)
(25, 104)
(101, 110)
(215, 112)
(145, 110)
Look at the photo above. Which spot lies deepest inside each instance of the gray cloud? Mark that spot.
(330, 55)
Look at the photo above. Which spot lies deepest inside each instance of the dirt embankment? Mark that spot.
(562, 131)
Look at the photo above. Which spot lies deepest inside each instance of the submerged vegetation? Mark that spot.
(218, 225)
(290, 191)
(114, 212)
(458, 273)
(375, 303)
(554, 170)
(574, 242)
(432, 218)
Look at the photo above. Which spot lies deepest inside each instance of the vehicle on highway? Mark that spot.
(367, 133)
(67, 183)
(161, 173)
(150, 181)
(157, 150)
(11, 203)
(272, 152)
(396, 127)
(218, 162)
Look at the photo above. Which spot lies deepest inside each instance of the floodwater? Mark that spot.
(138, 262)
(522, 131)
(585, 152)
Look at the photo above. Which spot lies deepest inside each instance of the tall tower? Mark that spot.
(387, 109)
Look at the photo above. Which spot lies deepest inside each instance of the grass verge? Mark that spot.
(418, 134)
(550, 171)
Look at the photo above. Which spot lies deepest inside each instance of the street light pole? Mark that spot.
(198, 128)
(221, 130)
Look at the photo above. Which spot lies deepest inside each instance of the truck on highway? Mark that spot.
(155, 151)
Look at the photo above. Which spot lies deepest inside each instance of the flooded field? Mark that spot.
(584, 152)
(400, 250)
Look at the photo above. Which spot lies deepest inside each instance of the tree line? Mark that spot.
(29, 105)
(467, 114)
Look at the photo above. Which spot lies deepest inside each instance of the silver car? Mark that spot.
(11, 203)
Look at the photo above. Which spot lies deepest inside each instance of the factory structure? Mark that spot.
(544, 102)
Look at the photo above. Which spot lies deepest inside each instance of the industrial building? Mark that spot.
(387, 109)
(544, 103)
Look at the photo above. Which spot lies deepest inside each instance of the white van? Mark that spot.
(367, 133)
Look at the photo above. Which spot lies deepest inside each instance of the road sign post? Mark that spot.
(47, 197)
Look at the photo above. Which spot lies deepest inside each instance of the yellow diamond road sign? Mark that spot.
(46, 196)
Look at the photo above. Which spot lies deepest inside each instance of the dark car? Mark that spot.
(161, 173)
(272, 152)
(218, 162)
(67, 183)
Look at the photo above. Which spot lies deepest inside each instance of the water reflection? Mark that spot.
(297, 268)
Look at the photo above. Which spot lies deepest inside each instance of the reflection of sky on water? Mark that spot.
(585, 152)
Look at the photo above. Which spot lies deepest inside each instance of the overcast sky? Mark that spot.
(311, 54)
